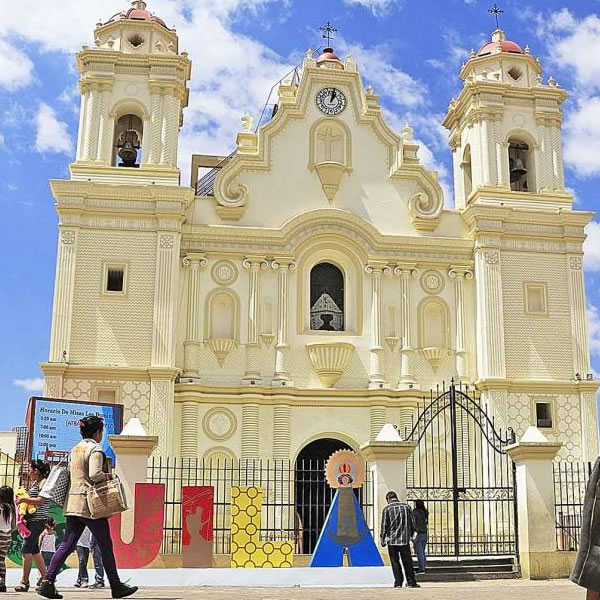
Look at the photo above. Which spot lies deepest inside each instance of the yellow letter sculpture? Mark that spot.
(247, 549)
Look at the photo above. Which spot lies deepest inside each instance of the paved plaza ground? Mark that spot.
(484, 590)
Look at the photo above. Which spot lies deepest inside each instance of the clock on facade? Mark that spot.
(331, 101)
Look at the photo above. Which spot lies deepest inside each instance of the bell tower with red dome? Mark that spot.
(505, 130)
(133, 90)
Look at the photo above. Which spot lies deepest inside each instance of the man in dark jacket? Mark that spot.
(397, 530)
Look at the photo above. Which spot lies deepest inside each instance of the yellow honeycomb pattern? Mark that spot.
(247, 550)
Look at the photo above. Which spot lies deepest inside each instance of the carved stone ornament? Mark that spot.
(167, 241)
(432, 282)
(330, 174)
(492, 258)
(329, 360)
(219, 424)
(68, 237)
(425, 211)
(267, 338)
(221, 348)
(435, 356)
(575, 263)
(224, 272)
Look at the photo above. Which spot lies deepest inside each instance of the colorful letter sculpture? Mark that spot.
(197, 525)
(149, 515)
(345, 525)
(247, 549)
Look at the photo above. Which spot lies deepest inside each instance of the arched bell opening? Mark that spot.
(326, 298)
(520, 166)
(127, 141)
(312, 493)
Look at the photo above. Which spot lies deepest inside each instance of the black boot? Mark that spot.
(123, 590)
(48, 590)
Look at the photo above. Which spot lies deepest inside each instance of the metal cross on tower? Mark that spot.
(328, 30)
(496, 11)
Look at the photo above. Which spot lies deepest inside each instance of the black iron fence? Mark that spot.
(570, 481)
(296, 497)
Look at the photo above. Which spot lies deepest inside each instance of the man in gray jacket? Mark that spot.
(397, 530)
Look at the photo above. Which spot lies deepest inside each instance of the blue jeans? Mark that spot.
(419, 544)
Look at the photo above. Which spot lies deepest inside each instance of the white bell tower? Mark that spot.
(505, 130)
(133, 91)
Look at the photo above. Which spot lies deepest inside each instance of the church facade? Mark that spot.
(314, 285)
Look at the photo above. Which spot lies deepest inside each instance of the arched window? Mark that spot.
(467, 172)
(433, 324)
(127, 142)
(326, 298)
(520, 166)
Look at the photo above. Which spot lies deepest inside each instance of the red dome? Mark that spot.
(328, 54)
(501, 46)
(137, 12)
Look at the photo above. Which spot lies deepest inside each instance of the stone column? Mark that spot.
(156, 118)
(459, 274)
(169, 129)
(162, 372)
(543, 153)
(533, 456)
(558, 166)
(105, 129)
(132, 453)
(282, 348)
(407, 274)
(254, 264)
(589, 420)
(581, 354)
(377, 351)
(193, 337)
(189, 429)
(281, 431)
(377, 420)
(92, 124)
(490, 314)
(387, 465)
(250, 431)
(60, 337)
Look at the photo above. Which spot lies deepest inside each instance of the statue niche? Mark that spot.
(326, 298)
(330, 154)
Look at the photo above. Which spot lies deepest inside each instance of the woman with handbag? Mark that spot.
(88, 468)
(35, 522)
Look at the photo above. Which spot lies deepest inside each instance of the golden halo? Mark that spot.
(345, 469)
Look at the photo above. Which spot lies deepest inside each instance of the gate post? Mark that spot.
(533, 456)
(132, 448)
(387, 465)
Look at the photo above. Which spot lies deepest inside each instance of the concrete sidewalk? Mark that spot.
(483, 590)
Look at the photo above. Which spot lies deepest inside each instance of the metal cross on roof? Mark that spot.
(328, 30)
(496, 11)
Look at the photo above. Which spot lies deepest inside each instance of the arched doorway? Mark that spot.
(312, 495)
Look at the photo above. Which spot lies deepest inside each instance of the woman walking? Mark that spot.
(421, 516)
(7, 523)
(87, 467)
(35, 521)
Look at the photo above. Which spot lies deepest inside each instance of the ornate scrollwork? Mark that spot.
(425, 210)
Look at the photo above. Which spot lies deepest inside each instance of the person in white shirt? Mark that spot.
(7, 522)
(48, 541)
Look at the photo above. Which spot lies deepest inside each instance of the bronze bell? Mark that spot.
(518, 170)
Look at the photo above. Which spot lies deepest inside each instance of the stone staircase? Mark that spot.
(470, 569)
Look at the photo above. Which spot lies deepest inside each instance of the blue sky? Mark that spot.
(409, 50)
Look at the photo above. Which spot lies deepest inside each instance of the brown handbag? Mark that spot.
(106, 499)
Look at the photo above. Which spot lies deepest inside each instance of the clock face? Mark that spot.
(331, 101)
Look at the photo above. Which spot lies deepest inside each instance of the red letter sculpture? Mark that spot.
(149, 515)
(197, 526)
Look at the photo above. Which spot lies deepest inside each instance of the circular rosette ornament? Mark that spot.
(345, 469)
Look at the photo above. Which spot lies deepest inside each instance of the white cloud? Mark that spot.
(591, 247)
(36, 384)
(52, 134)
(15, 67)
(593, 315)
(1, 140)
(574, 47)
(377, 7)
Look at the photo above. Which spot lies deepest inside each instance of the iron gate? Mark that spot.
(461, 471)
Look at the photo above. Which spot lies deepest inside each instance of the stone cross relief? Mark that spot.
(330, 144)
